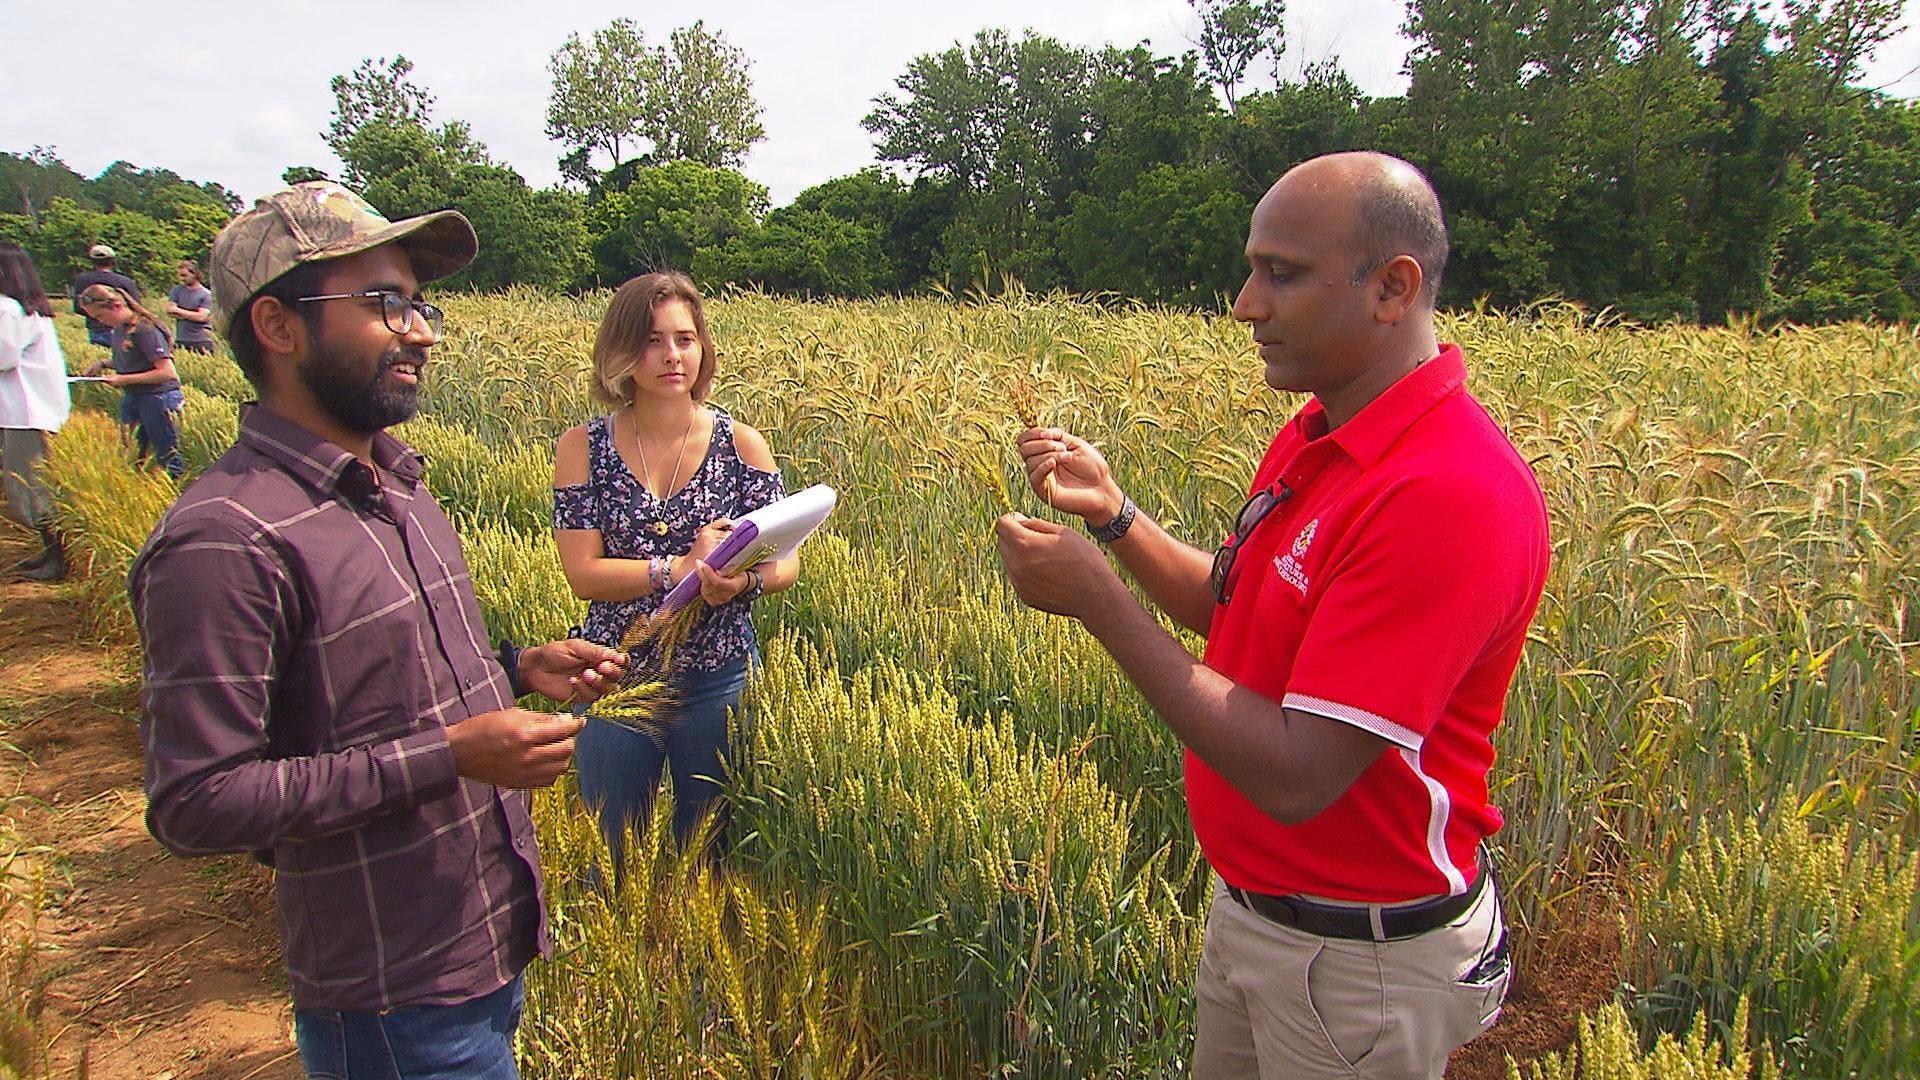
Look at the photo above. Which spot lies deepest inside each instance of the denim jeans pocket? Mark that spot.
(322, 1038)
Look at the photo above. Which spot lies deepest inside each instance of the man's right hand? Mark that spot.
(1081, 483)
(513, 748)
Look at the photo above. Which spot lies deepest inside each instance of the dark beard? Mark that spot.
(361, 404)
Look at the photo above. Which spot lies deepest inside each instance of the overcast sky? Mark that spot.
(215, 96)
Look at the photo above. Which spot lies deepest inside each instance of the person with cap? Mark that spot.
(319, 690)
(1363, 621)
(102, 273)
(191, 305)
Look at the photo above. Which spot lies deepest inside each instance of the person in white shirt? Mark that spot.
(33, 403)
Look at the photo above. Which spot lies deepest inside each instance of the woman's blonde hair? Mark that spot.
(622, 338)
(100, 290)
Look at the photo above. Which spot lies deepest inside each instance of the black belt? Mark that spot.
(1356, 923)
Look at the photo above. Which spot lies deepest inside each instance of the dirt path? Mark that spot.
(154, 967)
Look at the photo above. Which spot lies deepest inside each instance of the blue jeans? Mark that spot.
(469, 1041)
(156, 418)
(620, 767)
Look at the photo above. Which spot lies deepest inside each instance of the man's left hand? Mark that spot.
(1054, 568)
(571, 669)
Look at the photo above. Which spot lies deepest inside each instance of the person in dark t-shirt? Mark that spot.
(142, 367)
(191, 305)
(102, 273)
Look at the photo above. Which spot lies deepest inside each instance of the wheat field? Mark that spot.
(961, 847)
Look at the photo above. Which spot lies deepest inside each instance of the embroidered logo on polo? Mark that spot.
(1289, 566)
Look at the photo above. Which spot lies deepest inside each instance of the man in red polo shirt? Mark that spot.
(1363, 619)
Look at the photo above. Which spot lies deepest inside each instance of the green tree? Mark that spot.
(526, 236)
(1855, 253)
(157, 192)
(378, 91)
(148, 249)
(807, 252)
(30, 181)
(709, 115)
(667, 215)
(1742, 206)
(1499, 114)
(1235, 33)
(690, 100)
(604, 95)
(1628, 222)
(899, 217)
(1277, 129)
(1010, 125)
(1175, 235)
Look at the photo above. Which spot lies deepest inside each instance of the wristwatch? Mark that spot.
(1122, 521)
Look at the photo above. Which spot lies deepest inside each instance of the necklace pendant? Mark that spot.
(659, 528)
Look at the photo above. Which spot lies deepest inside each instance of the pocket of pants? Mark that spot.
(1345, 992)
(321, 1037)
(1484, 986)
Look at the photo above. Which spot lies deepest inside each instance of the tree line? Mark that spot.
(1695, 160)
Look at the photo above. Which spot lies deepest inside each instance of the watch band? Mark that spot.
(1122, 521)
(510, 663)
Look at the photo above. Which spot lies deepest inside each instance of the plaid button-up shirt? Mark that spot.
(310, 631)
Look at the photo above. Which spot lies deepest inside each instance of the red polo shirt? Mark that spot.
(1392, 591)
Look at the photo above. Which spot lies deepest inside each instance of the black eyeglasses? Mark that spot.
(396, 309)
(1247, 520)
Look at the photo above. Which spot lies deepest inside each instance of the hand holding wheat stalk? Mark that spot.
(1024, 399)
(644, 699)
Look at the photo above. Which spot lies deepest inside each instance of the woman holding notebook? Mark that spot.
(641, 496)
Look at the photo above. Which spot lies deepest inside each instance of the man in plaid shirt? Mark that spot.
(319, 690)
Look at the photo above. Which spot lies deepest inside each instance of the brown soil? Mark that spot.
(153, 967)
(1573, 975)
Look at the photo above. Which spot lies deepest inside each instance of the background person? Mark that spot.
(1363, 620)
(318, 686)
(142, 367)
(103, 273)
(33, 404)
(640, 496)
(191, 306)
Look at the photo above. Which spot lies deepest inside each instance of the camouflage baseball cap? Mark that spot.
(321, 220)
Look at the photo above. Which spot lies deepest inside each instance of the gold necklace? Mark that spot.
(659, 528)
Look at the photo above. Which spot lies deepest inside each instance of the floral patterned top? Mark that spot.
(631, 520)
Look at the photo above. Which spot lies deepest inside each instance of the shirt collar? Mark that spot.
(1372, 431)
(314, 459)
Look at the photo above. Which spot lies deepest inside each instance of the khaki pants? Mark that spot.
(1278, 1002)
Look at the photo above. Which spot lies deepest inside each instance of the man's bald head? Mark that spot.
(1394, 209)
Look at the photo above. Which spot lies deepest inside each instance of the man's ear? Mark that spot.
(1398, 285)
(277, 327)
